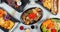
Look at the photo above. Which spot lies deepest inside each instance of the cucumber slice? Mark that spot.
(43, 29)
(55, 19)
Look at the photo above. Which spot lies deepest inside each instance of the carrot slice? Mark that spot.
(1, 12)
(51, 25)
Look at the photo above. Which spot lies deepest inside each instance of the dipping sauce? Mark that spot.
(32, 27)
(21, 27)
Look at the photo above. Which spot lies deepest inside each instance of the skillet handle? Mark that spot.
(11, 11)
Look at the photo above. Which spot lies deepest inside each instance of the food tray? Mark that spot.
(20, 8)
(13, 19)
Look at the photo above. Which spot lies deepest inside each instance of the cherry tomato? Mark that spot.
(53, 30)
(32, 16)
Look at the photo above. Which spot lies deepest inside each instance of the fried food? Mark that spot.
(7, 24)
(11, 24)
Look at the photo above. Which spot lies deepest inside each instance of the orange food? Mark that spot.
(1, 12)
(8, 24)
(51, 25)
(11, 24)
(47, 22)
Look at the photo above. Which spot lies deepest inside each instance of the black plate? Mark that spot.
(20, 8)
(47, 19)
(35, 21)
(13, 19)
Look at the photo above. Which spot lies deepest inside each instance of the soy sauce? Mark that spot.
(32, 27)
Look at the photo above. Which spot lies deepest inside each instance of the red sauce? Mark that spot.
(32, 16)
(21, 27)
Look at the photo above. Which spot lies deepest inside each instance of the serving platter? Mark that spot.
(14, 14)
(14, 20)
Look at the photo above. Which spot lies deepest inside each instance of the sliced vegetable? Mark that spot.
(44, 30)
(29, 11)
(48, 30)
(47, 22)
(56, 20)
(1, 12)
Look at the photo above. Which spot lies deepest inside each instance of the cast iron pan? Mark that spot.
(34, 21)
